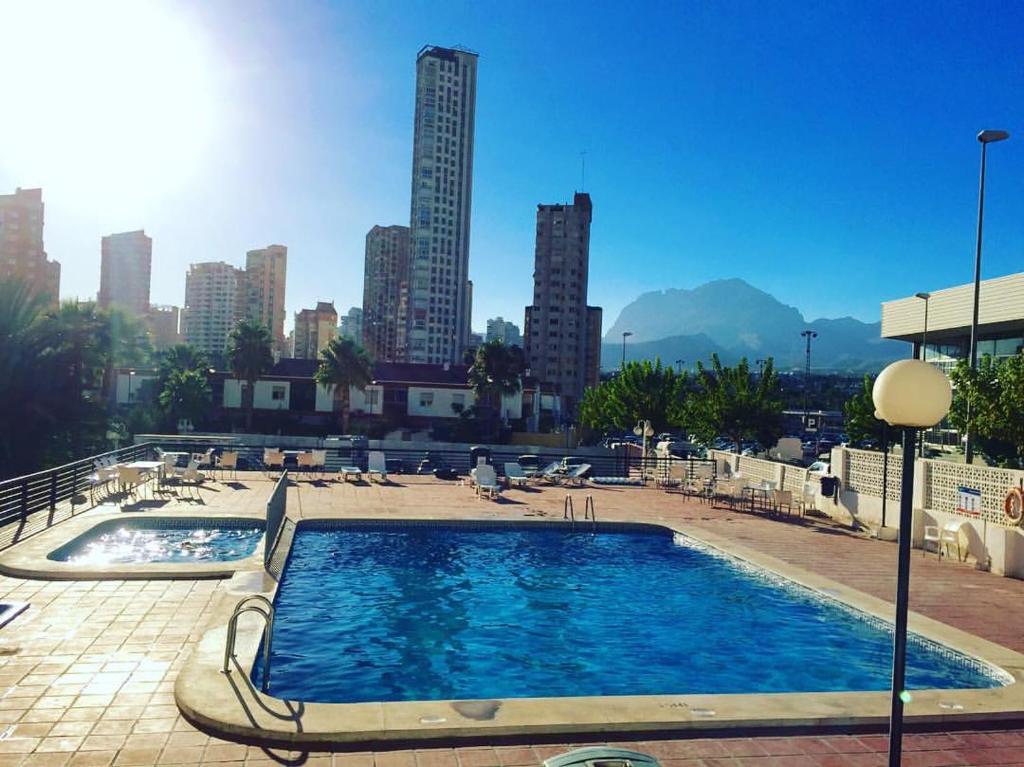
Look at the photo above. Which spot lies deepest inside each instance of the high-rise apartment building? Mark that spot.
(562, 333)
(500, 329)
(385, 290)
(22, 256)
(265, 271)
(350, 325)
(215, 300)
(163, 324)
(437, 314)
(314, 329)
(126, 261)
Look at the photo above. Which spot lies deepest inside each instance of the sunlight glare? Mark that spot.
(113, 98)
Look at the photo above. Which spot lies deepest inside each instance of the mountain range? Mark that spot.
(734, 319)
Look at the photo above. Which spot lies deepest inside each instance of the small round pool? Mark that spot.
(179, 540)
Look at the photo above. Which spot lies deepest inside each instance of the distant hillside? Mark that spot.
(735, 319)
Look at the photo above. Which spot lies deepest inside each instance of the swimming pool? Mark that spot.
(162, 540)
(378, 612)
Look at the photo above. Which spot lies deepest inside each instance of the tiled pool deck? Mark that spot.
(87, 674)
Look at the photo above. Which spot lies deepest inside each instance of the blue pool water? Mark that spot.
(444, 612)
(162, 540)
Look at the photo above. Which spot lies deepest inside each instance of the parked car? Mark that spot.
(821, 468)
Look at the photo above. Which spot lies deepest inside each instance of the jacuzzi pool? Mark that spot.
(384, 612)
(162, 540)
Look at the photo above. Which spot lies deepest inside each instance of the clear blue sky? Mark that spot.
(825, 152)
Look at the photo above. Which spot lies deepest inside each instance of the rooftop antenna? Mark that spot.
(583, 170)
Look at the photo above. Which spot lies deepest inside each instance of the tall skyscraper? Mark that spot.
(500, 329)
(437, 315)
(215, 300)
(126, 260)
(562, 333)
(314, 329)
(265, 271)
(385, 288)
(22, 256)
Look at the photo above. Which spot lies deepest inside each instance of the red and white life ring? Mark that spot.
(1013, 505)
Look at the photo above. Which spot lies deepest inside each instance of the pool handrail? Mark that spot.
(268, 633)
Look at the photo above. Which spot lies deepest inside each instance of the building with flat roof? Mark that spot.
(438, 312)
(314, 329)
(22, 255)
(500, 329)
(215, 300)
(126, 261)
(265, 276)
(1000, 321)
(350, 325)
(385, 291)
(562, 335)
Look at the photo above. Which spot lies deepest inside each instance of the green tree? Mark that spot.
(995, 394)
(249, 357)
(344, 364)
(859, 412)
(26, 393)
(186, 395)
(496, 371)
(181, 357)
(732, 402)
(78, 344)
(642, 391)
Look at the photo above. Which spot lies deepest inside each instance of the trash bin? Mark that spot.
(476, 453)
(601, 756)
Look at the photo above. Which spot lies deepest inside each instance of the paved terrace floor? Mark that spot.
(87, 674)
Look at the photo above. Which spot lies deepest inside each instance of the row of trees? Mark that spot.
(716, 400)
(989, 399)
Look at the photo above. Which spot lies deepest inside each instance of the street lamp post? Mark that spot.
(760, 368)
(985, 137)
(908, 394)
(625, 334)
(924, 356)
(808, 335)
(131, 377)
(646, 431)
(679, 364)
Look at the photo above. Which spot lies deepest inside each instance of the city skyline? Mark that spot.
(861, 171)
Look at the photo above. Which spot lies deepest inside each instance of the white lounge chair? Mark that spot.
(377, 466)
(515, 475)
(487, 482)
(552, 473)
(576, 475)
(350, 471)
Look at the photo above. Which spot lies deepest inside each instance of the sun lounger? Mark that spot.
(377, 468)
(515, 475)
(576, 475)
(552, 473)
(487, 482)
(350, 471)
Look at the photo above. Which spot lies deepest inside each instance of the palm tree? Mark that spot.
(186, 394)
(496, 371)
(26, 406)
(181, 357)
(249, 357)
(344, 364)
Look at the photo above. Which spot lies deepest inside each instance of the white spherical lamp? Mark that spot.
(912, 393)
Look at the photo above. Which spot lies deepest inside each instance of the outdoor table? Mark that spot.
(148, 467)
(178, 457)
(755, 492)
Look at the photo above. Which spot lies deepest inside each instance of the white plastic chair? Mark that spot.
(377, 466)
(487, 482)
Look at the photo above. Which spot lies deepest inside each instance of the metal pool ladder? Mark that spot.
(567, 512)
(590, 511)
(266, 609)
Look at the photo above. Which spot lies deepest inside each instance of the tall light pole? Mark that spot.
(808, 335)
(131, 377)
(986, 137)
(924, 356)
(911, 395)
(625, 334)
(679, 364)
(760, 368)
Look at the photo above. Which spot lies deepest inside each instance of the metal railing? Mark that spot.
(265, 609)
(39, 500)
